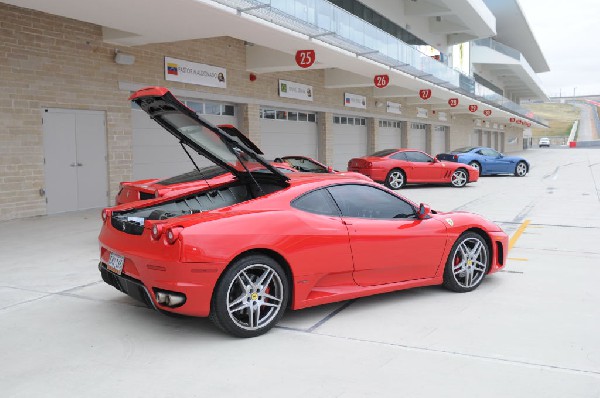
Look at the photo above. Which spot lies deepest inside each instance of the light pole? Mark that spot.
(574, 88)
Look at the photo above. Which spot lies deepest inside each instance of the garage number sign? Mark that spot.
(381, 81)
(487, 112)
(453, 102)
(425, 94)
(473, 108)
(305, 58)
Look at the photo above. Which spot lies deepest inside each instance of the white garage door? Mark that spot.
(417, 137)
(438, 140)
(349, 140)
(486, 139)
(158, 154)
(389, 135)
(476, 138)
(288, 132)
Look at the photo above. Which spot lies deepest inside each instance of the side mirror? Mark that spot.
(436, 160)
(330, 169)
(424, 211)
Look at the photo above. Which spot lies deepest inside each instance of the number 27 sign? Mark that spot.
(305, 58)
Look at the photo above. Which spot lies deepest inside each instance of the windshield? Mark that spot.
(464, 149)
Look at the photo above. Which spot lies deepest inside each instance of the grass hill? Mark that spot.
(560, 118)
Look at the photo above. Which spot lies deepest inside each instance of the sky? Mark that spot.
(568, 32)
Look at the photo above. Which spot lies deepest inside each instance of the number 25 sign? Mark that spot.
(305, 58)
(381, 80)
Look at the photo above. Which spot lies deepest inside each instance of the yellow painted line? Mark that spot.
(517, 235)
(518, 259)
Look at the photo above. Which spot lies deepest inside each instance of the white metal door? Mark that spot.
(486, 139)
(388, 138)
(438, 140)
(417, 137)
(349, 141)
(476, 138)
(283, 137)
(75, 170)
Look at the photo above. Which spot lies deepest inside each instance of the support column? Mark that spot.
(447, 139)
(428, 147)
(372, 134)
(404, 134)
(325, 132)
(250, 122)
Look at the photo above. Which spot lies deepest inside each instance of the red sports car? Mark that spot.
(246, 250)
(397, 167)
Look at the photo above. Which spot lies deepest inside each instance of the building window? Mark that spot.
(355, 121)
(417, 126)
(289, 115)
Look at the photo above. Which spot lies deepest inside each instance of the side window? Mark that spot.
(318, 202)
(418, 157)
(362, 201)
(399, 156)
(489, 152)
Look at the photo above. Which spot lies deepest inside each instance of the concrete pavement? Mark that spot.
(530, 331)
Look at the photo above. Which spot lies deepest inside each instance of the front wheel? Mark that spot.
(250, 297)
(459, 178)
(467, 263)
(395, 179)
(521, 169)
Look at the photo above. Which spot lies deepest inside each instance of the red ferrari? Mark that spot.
(245, 251)
(397, 167)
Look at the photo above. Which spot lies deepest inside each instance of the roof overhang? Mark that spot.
(513, 30)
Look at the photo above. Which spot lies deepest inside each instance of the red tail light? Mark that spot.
(172, 234)
(156, 231)
(455, 157)
(106, 214)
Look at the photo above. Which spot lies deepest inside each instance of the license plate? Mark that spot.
(115, 263)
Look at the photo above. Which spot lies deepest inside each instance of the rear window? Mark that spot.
(384, 152)
(464, 149)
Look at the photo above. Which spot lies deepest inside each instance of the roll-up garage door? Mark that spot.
(349, 140)
(438, 140)
(158, 154)
(389, 134)
(288, 132)
(416, 137)
(486, 139)
(476, 138)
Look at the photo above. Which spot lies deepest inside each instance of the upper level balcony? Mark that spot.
(324, 21)
(509, 67)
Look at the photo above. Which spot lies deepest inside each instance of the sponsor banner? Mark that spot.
(495, 126)
(294, 90)
(512, 140)
(355, 101)
(442, 116)
(422, 112)
(394, 107)
(178, 70)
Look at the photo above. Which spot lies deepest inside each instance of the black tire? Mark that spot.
(459, 178)
(240, 289)
(395, 179)
(521, 169)
(476, 165)
(464, 270)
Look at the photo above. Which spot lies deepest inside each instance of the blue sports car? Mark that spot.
(488, 161)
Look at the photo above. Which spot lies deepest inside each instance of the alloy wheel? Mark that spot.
(469, 263)
(521, 169)
(255, 296)
(396, 179)
(459, 178)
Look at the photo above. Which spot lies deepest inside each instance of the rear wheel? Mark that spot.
(459, 178)
(467, 263)
(475, 165)
(395, 179)
(250, 297)
(521, 169)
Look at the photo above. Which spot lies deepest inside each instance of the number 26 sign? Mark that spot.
(381, 80)
(305, 58)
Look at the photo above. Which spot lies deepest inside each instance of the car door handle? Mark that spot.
(79, 164)
(73, 165)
